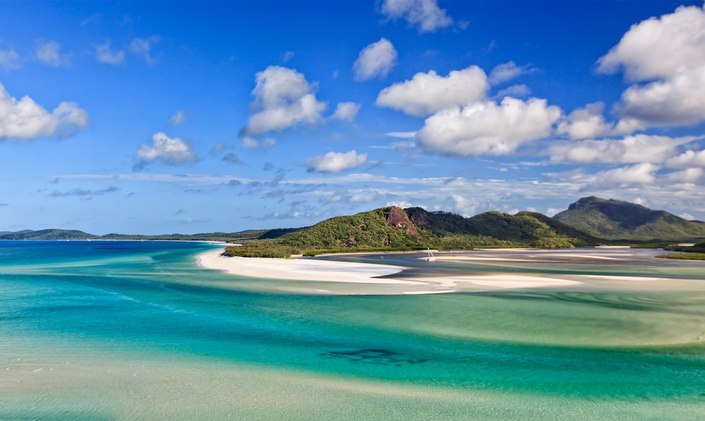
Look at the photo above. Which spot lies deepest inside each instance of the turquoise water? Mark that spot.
(125, 330)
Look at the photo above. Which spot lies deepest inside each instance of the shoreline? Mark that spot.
(355, 278)
(301, 269)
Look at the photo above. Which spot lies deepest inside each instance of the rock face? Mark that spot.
(396, 217)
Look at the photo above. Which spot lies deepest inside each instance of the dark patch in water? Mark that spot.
(373, 356)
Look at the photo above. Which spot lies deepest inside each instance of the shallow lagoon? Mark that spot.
(107, 330)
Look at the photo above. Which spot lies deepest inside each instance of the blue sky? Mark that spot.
(191, 117)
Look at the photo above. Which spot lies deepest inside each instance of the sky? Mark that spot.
(150, 117)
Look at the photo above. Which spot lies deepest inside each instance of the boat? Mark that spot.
(430, 257)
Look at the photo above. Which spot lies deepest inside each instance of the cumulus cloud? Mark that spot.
(334, 162)
(666, 57)
(178, 118)
(282, 99)
(488, 128)
(49, 53)
(677, 101)
(516, 91)
(143, 48)
(687, 159)
(170, 150)
(586, 122)
(506, 72)
(658, 47)
(105, 54)
(424, 14)
(427, 93)
(643, 173)
(630, 149)
(9, 60)
(346, 111)
(687, 176)
(24, 119)
(375, 60)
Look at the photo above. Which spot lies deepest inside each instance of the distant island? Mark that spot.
(588, 222)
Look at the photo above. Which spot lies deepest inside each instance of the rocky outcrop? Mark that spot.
(396, 217)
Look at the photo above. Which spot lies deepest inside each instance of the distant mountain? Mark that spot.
(48, 234)
(60, 235)
(618, 220)
(394, 228)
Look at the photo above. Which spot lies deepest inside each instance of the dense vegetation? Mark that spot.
(684, 256)
(393, 229)
(614, 219)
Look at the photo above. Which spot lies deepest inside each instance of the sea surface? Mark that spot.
(137, 330)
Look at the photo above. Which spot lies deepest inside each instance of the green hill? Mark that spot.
(528, 228)
(47, 235)
(392, 228)
(618, 220)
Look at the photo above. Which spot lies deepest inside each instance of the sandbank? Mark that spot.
(301, 269)
(351, 277)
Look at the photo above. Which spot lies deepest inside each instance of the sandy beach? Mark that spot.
(296, 269)
(351, 278)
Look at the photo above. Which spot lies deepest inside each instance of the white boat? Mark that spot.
(430, 257)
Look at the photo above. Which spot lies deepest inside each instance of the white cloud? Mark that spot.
(552, 211)
(586, 122)
(677, 101)
(688, 175)
(49, 53)
(658, 47)
(282, 99)
(630, 149)
(375, 60)
(105, 54)
(401, 135)
(425, 14)
(9, 60)
(636, 174)
(506, 71)
(427, 93)
(488, 128)
(667, 56)
(346, 111)
(249, 142)
(687, 216)
(178, 118)
(334, 162)
(687, 159)
(516, 91)
(170, 150)
(24, 119)
(143, 47)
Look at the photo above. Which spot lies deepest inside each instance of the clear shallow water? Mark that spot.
(108, 330)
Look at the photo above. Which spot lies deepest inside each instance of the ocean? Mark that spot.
(137, 330)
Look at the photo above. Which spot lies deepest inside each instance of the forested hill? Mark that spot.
(619, 220)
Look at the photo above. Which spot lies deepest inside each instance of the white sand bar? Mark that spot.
(344, 277)
(302, 269)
